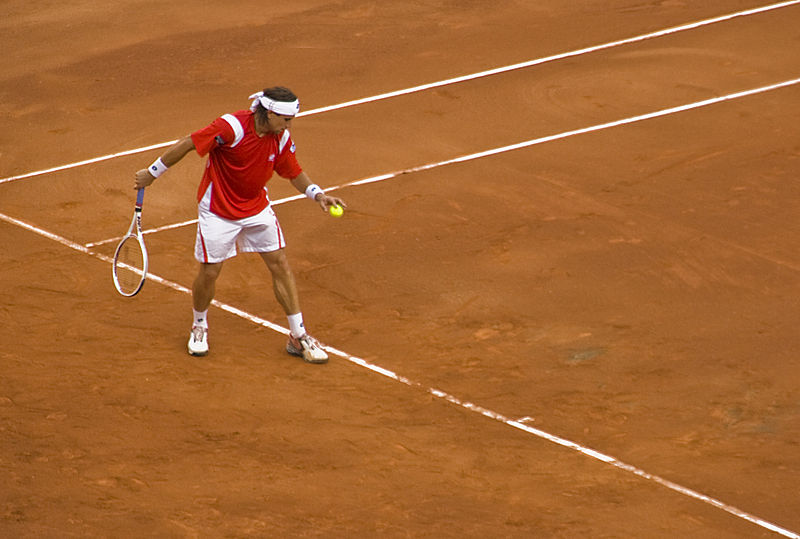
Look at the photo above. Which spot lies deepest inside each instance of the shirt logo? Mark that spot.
(293, 148)
(272, 157)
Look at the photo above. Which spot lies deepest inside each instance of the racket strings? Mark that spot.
(129, 268)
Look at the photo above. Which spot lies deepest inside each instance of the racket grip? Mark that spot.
(140, 197)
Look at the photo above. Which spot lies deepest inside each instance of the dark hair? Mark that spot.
(276, 93)
(280, 93)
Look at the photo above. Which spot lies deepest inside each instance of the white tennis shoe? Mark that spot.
(306, 347)
(198, 341)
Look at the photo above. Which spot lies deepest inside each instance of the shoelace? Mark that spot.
(198, 333)
(310, 341)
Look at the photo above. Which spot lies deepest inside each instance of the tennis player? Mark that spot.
(234, 212)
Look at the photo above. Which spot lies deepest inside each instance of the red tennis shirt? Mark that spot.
(240, 163)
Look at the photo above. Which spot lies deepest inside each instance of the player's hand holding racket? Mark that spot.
(130, 259)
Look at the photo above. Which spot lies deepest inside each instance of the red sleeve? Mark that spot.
(206, 139)
(286, 164)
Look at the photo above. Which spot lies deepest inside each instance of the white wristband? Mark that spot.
(313, 190)
(157, 168)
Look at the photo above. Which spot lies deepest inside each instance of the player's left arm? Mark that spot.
(304, 184)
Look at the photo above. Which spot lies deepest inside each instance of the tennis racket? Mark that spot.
(130, 259)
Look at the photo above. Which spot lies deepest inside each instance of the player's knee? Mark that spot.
(277, 263)
(209, 272)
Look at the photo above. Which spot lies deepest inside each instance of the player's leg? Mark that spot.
(283, 283)
(300, 342)
(204, 285)
(262, 234)
(215, 243)
(203, 290)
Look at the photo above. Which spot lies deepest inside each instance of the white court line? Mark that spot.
(151, 230)
(502, 149)
(150, 276)
(517, 424)
(463, 78)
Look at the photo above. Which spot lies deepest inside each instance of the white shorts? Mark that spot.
(218, 238)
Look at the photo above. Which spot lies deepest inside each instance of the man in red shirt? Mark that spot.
(234, 212)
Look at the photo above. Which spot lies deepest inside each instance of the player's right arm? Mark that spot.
(174, 153)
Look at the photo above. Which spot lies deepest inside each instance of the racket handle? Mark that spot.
(140, 197)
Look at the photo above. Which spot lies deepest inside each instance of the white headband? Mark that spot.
(285, 108)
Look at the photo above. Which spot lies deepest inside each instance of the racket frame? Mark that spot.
(134, 232)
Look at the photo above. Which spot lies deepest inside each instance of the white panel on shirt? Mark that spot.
(238, 130)
(284, 140)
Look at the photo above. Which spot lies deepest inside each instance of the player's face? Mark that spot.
(278, 122)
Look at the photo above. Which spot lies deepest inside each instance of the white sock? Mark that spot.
(296, 325)
(201, 318)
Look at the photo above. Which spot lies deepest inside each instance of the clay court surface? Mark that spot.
(632, 290)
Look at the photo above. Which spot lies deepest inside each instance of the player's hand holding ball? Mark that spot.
(334, 205)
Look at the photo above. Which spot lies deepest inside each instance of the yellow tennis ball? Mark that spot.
(336, 210)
